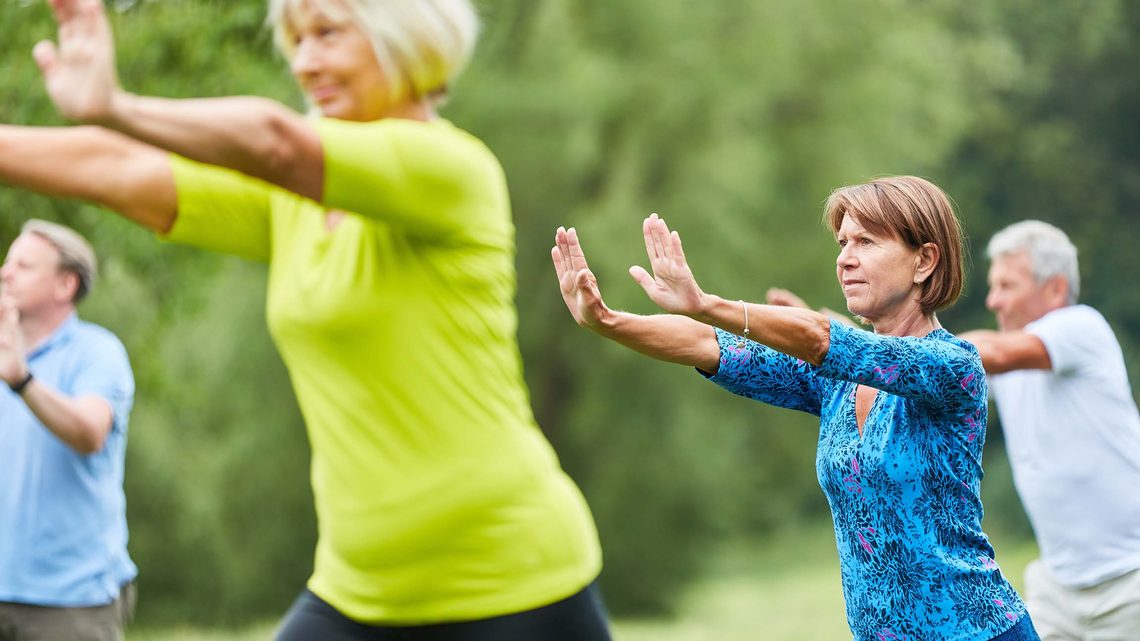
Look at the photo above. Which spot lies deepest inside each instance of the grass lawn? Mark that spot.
(785, 590)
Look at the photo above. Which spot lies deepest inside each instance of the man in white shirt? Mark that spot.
(1072, 431)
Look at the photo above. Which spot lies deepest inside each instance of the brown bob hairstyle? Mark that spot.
(915, 211)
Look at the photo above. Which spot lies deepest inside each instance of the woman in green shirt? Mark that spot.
(443, 512)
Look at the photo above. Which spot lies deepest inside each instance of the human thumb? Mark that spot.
(641, 276)
(45, 56)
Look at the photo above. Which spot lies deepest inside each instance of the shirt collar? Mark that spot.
(61, 335)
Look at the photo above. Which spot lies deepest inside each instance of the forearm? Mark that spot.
(256, 136)
(91, 164)
(798, 332)
(82, 423)
(669, 338)
(1003, 352)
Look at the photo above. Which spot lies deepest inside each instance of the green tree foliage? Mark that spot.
(732, 119)
(1059, 143)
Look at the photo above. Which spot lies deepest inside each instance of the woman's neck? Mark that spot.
(422, 110)
(912, 322)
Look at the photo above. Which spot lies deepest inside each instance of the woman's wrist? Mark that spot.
(117, 112)
(607, 322)
(713, 310)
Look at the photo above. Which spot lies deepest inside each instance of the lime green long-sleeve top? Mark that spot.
(437, 496)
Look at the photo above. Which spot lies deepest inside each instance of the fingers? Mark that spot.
(9, 315)
(577, 256)
(783, 297)
(642, 277)
(559, 253)
(567, 252)
(656, 233)
(660, 242)
(675, 246)
(647, 233)
(556, 258)
(67, 9)
(44, 53)
(588, 288)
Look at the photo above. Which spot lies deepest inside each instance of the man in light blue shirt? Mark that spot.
(65, 574)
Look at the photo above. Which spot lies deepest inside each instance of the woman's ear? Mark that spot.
(925, 260)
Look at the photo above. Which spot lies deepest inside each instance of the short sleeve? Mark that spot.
(428, 179)
(105, 371)
(1075, 338)
(221, 210)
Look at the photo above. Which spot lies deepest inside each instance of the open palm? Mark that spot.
(578, 285)
(672, 285)
(79, 72)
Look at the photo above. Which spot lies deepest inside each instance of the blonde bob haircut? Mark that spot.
(421, 45)
(75, 254)
(914, 211)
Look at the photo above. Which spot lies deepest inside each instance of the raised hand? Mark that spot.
(784, 298)
(672, 285)
(578, 285)
(79, 73)
(12, 363)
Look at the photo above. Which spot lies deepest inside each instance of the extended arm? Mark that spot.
(92, 164)
(82, 422)
(1008, 351)
(670, 338)
(255, 136)
(787, 298)
(801, 333)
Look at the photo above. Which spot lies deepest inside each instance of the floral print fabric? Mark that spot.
(904, 495)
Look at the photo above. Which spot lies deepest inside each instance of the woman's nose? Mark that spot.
(304, 59)
(845, 257)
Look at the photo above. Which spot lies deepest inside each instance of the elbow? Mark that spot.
(994, 360)
(91, 439)
(819, 341)
(292, 154)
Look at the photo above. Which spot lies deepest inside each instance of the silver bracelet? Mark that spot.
(744, 306)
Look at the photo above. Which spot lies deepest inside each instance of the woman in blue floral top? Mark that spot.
(902, 410)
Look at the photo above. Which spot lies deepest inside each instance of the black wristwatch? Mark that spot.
(19, 387)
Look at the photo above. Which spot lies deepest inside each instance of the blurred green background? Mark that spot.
(733, 119)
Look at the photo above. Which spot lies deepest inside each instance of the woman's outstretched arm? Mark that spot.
(93, 164)
(256, 136)
(801, 333)
(670, 338)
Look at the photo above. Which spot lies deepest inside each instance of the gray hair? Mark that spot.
(1050, 252)
(75, 254)
(422, 45)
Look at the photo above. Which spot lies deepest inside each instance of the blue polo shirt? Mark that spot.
(63, 525)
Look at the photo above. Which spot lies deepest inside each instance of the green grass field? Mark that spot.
(785, 590)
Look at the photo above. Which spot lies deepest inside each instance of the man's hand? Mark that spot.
(13, 366)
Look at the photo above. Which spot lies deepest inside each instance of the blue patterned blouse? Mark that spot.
(905, 497)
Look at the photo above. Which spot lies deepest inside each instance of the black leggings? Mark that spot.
(578, 618)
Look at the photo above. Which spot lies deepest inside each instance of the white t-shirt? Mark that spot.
(1073, 436)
